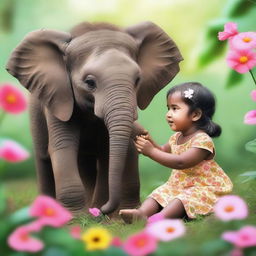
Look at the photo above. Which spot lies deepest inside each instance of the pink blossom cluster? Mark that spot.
(157, 230)
(146, 241)
(231, 207)
(241, 56)
(48, 213)
(12, 101)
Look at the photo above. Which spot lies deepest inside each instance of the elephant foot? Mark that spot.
(131, 215)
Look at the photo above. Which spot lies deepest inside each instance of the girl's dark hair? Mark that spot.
(201, 99)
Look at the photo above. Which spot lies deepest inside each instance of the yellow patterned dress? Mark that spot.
(198, 187)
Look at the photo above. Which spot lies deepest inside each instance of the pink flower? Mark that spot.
(94, 212)
(117, 242)
(245, 40)
(50, 212)
(20, 240)
(230, 207)
(12, 99)
(236, 252)
(155, 217)
(75, 232)
(230, 30)
(253, 95)
(140, 244)
(12, 152)
(167, 229)
(245, 237)
(250, 117)
(241, 60)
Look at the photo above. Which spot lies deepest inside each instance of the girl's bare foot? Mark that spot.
(131, 215)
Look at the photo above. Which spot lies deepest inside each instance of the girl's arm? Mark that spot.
(188, 159)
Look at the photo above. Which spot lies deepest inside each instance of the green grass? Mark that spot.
(203, 234)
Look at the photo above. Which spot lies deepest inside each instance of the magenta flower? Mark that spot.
(245, 237)
(116, 242)
(253, 95)
(245, 40)
(94, 212)
(167, 229)
(75, 232)
(241, 60)
(20, 240)
(140, 244)
(155, 217)
(50, 212)
(12, 152)
(12, 100)
(250, 117)
(230, 207)
(230, 30)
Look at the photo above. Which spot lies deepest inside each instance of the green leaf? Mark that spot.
(234, 78)
(215, 247)
(55, 251)
(236, 8)
(19, 217)
(3, 203)
(250, 176)
(213, 48)
(251, 146)
(114, 251)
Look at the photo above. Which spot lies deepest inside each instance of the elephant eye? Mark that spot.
(90, 82)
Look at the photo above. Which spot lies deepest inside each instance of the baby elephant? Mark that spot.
(85, 88)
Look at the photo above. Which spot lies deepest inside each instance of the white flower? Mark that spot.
(189, 93)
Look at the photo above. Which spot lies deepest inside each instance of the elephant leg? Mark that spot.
(130, 197)
(43, 163)
(63, 149)
(69, 187)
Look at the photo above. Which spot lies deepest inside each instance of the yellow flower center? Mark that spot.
(170, 230)
(141, 242)
(229, 208)
(96, 239)
(49, 212)
(247, 39)
(11, 98)
(243, 59)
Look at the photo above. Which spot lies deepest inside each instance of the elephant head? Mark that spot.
(100, 68)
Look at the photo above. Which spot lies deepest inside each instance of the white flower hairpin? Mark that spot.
(189, 93)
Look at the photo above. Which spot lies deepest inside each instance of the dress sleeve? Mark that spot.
(204, 141)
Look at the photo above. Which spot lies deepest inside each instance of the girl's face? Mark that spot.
(178, 116)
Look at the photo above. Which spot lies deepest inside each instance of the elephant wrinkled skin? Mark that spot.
(85, 88)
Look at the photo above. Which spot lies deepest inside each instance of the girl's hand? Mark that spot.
(143, 145)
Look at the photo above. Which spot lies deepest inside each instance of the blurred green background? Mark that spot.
(193, 24)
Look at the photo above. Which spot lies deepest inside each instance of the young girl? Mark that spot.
(196, 181)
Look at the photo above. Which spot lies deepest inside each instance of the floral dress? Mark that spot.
(198, 187)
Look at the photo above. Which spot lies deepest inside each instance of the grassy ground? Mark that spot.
(202, 235)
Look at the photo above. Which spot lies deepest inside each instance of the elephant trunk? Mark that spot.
(119, 117)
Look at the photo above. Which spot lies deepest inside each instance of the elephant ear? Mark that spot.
(158, 58)
(38, 62)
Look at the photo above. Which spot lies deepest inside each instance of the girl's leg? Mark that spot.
(149, 207)
(174, 210)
